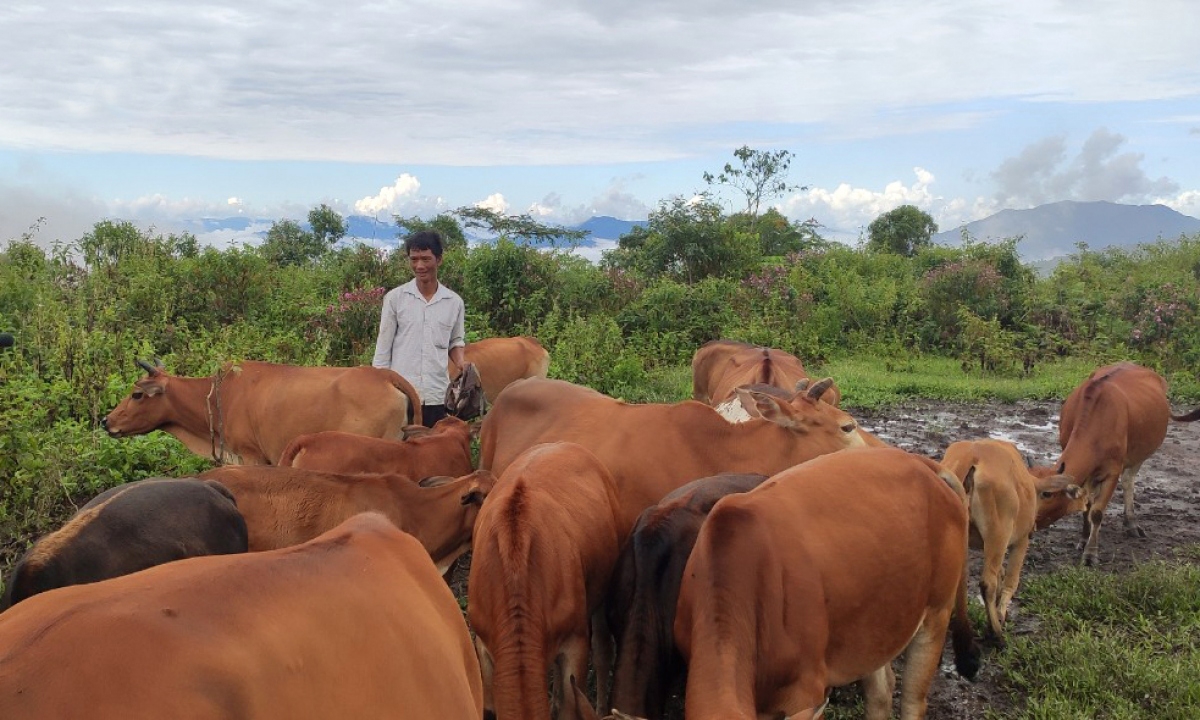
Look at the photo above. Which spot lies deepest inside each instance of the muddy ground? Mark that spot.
(1167, 495)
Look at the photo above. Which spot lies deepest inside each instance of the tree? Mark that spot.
(327, 225)
(288, 243)
(520, 227)
(763, 174)
(688, 240)
(445, 224)
(902, 231)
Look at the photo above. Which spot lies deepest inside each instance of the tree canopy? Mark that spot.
(902, 231)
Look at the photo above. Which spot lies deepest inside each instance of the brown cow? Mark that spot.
(1007, 504)
(445, 450)
(128, 528)
(247, 413)
(652, 449)
(645, 587)
(544, 548)
(1110, 424)
(500, 361)
(288, 506)
(354, 624)
(817, 579)
(720, 366)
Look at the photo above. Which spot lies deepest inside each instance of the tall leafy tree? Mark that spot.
(902, 231)
(327, 225)
(687, 239)
(446, 224)
(761, 175)
(518, 227)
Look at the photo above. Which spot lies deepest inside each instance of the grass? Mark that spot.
(1123, 647)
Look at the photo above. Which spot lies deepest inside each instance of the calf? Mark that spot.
(354, 624)
(645, 588)
(129, 528)
(445, 450)
(1110, 425)
(1007, 503)
(544, 548)
(503, 360)
(287, 506)
(785, 595)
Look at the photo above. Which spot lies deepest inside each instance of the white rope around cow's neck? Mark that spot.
(218, 428)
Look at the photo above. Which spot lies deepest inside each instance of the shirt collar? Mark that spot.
(441, 293)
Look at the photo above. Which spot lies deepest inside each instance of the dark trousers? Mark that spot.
(431, 414)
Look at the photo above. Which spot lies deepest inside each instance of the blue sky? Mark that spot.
(163, 112)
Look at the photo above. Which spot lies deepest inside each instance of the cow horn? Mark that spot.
(150, 369)
(818, 389)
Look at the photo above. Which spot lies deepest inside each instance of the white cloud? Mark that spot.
(1186, 202)
(845, 211)
(392, 199)
(477, 83)
(494, 202)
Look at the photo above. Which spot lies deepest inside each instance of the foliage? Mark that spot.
(762, 175)
(517, 227)
(686, 240)
(288, 243)
(514, 284)
(445, 224)
(903, 231)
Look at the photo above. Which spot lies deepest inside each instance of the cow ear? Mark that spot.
(1051, 484)
(152, 389)
(761, 405)
(802, 385)
(474, 427)
(435, 481)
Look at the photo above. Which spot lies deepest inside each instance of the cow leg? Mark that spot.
(572, 662)
(989, 581)
(1092, 520)
(877, 690)
(487, 669)
(602, 659)
(1012, 575)
(1132, 529)
(921, 662)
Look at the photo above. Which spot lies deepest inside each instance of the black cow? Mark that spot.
(645, 587)
(128, 528)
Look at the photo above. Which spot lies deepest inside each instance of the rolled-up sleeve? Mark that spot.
(458, 332)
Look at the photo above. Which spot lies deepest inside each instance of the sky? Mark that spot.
(163, 112)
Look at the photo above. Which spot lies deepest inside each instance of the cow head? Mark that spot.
(145, 408)
(480, 484)
(1057, 496)
(464, 397)
(805, 413)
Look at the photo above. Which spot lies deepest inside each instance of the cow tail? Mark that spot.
(414, 400)
(1189, 417)
(967, 652)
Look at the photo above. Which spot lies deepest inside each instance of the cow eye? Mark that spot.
(1046, 494)
(849, 427)
(138, 395)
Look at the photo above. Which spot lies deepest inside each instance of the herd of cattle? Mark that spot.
(752, 548)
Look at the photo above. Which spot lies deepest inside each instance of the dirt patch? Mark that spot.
(1167, 493)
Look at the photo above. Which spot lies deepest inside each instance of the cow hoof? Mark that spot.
(1135, 531)
(1091, 559)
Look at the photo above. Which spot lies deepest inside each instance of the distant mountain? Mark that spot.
(385, 233)
(1052, 230)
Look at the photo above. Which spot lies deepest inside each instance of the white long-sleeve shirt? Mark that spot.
(415, 337)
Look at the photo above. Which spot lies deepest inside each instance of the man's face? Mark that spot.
(424, 264)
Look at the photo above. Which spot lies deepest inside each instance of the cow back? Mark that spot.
(129, 528)
(1117, 418)
(363, 624)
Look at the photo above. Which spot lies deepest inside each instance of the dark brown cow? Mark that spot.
(722, 365)
(544, 549)
(288, 506)
(445, 450)
(248, 413)
(1110, 425)
(128, 528)
(500, 361)
(1007, 504)
(354, 624)
(652, 449)
(645, 587)
(821, 577)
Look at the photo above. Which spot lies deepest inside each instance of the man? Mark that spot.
(421, 325)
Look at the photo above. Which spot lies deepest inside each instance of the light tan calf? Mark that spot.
(1007, 504)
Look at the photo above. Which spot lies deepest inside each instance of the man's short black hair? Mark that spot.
(424, 240)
